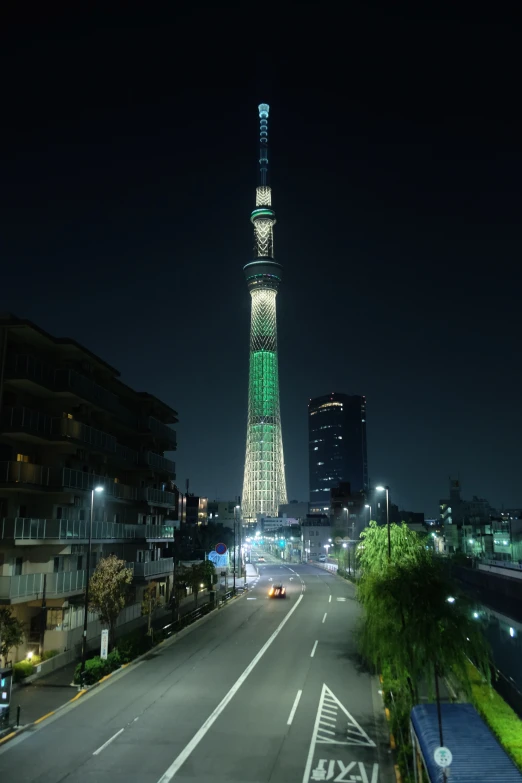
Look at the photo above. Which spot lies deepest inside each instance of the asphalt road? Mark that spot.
(260, 691)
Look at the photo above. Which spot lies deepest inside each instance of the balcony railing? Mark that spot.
(23, 366)
(157, 497)
(75, 430)
(161, 430)
(24, 473)
(77, 479)
(28, 585)
(20, 419)
(157, 462)
(74, 530)
(26, 367)
(126, 454)
(164, 565)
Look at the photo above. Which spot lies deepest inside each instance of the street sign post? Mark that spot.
(104, 647)
(221, 549)
(443, 757)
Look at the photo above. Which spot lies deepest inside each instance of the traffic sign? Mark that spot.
(442, 756)
(221, 549)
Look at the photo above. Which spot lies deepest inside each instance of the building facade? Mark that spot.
(315, 538)
(68, 425)
(264, 485)
(336, 445)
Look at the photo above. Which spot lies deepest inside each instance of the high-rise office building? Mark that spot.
(264, 486)
(337, 445)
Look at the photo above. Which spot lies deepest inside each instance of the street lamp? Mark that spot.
(235, 523)
(387, 490)
(327, 547)
(367, 505)
(88, 571)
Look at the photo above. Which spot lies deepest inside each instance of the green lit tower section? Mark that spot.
(264, 486)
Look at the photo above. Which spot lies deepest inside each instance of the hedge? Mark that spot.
(501, 719)
(96, 668)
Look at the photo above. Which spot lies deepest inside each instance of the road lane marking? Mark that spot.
(343, 730)
(330, 598)
(251, 599)
(292, 712)
(196, 739)
(102, 747)
(324, 618)
(314, 648)
(341, 599)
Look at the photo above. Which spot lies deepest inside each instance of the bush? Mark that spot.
(96, 668)
(22, 669)
(50, 654)
(132, 645)
(498, 715)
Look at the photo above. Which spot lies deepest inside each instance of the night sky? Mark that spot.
(129, 157)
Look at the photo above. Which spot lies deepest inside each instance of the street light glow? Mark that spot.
(98, 489)
(450, 599)
(380, 489)
(367, 505)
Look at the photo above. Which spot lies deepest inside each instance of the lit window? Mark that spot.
(339, 437)
(22, 458)
(67, 415)
(316, 448)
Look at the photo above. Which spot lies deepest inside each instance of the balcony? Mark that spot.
(67, 530)
(24, 473)
(77, 479)
(23, 367)
(25, 421)
(161, 567)
(30, 586)
(161, 431)
(157, 462)
(69, 429)
(157, 497)
(126, 454)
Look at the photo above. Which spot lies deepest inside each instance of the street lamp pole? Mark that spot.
(387, 490)
(368, 506)
(87, 578)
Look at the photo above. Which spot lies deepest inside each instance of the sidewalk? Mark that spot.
(48, 693)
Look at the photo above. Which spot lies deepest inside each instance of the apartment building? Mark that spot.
(68, 425)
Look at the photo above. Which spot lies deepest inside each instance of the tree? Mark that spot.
(108, 590)
(372, 552)
(411, 627)
(179, 590)
(195, 580)
(207, 573)
(12, 633)
(150, 603)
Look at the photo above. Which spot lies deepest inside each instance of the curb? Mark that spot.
(83, 691)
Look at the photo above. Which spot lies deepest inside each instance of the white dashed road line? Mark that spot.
(314, 648)
(324, 618)
(102, 747)
(292, 712)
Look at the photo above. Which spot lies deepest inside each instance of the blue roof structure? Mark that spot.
(477, 755)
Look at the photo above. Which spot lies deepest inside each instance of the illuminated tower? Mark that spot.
(264, 486)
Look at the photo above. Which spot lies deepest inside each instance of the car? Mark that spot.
(261, 560)
(322, 558)
(277, 591)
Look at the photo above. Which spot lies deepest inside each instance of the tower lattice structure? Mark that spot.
(264, 485)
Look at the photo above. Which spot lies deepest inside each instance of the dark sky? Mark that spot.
(128, 175)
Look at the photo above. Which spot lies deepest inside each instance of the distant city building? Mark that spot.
(316, 534)
(196, 510)
(295, 509)
(222, 511)
(270, 524)
(67, 426)
(469, 526)
(348, 512)
(336, 445)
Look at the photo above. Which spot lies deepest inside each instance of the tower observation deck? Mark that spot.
(264, 485)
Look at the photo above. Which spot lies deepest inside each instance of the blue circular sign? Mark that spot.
(221, 549)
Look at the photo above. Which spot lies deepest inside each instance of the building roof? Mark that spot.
(477, 755)
(10, 321)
